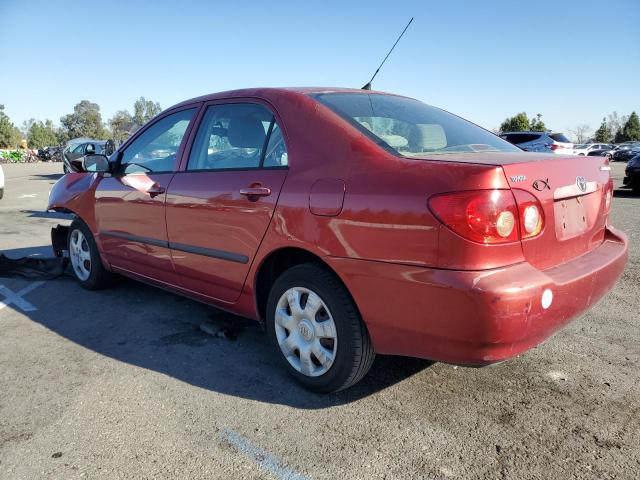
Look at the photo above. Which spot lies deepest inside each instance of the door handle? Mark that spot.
(155, 190)
(253, 193)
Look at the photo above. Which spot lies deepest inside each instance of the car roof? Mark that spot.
(269, 92)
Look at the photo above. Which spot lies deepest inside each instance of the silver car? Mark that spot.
(540, 142)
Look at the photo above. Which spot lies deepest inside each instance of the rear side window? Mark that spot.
(559, 137)
(237, 136)
(410, 128)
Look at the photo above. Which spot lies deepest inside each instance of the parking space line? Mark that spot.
(16, 297)
(263, 459)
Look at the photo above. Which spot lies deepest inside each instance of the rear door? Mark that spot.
(220, 204)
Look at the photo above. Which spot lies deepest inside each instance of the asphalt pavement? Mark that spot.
(127, 383)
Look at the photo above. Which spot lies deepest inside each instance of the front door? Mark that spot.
(130, 205)
(219, 207)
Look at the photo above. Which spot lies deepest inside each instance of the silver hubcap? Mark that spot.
(306, 331)
(80, 255)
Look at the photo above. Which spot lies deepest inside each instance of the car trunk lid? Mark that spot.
(572, 193)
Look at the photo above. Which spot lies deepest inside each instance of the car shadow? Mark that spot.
(44, 214)
(49, 176)
(194, 343)
(625, 193)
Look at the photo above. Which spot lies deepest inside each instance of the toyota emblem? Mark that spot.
(582, 184)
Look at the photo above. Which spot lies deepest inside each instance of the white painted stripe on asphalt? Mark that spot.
(16, 297)
(262, 458)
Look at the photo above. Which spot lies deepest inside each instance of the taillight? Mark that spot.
(530, 213)
(483, 216)
(490, 216)
(555, 146)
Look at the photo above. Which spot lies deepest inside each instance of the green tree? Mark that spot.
(631, 129)
(85, 121)
(537, 125)
(42, 134)
(10, 135)
(517, 123)
(144, 110)
(121, 124)
(603, 133)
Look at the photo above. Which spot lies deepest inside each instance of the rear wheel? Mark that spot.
(316, 330)
(85, 259)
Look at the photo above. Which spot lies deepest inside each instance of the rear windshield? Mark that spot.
(559, 137)
(410, 128)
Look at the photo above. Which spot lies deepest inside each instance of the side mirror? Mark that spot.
(95, 163)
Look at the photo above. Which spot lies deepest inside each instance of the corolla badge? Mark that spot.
(541, 184)
(582, 183)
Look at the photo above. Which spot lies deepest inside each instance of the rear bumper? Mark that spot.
(476, 317)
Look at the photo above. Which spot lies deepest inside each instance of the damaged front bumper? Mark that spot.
(59, 240)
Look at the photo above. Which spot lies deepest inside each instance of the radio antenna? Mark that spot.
(368, 85)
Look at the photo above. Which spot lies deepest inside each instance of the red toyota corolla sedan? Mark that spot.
(351, 223)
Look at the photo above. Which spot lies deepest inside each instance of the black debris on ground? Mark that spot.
(32, 267)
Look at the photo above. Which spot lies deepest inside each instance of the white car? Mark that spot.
(1, 182)
(585, 148)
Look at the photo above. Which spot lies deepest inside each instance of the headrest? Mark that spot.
(427, 137)
(246, 132)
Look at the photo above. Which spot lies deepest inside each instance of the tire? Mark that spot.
(326, 320)
(84, 258)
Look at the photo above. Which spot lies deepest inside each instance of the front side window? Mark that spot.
(237, 136)
(156, 148)
(410, 128)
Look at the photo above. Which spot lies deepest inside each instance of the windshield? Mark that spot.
(410, 128)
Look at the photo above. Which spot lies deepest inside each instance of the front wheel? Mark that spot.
(316, 330)
(85, 258)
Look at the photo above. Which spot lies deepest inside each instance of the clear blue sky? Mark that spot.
(572, 61)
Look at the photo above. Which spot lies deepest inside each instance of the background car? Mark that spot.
(626, 152)
(1, 182)
(73, 153)
(540, 142)
(632, 174)
(585, 148)
(607, 152)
